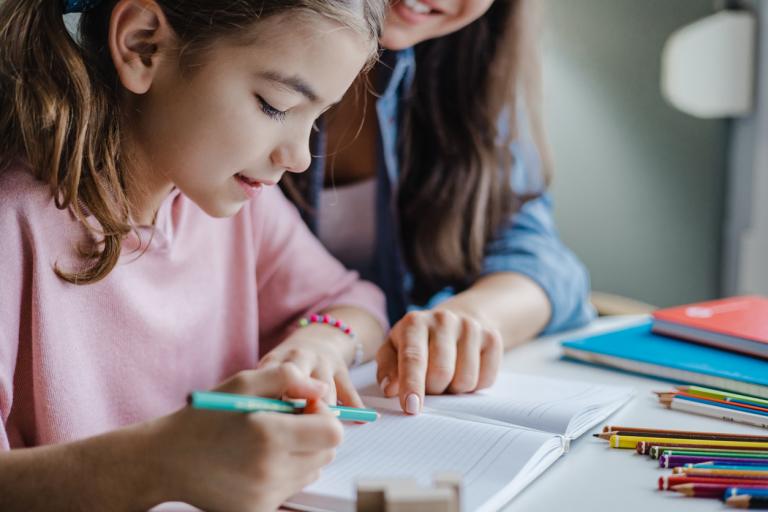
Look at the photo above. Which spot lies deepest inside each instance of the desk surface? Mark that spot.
(592, 477)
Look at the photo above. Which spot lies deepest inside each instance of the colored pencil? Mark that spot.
(703, 436)
(644, 447)
(722, 395)
(714, 411)
(618, 441)
(247, 403)
(673, 461)
(731, 406)
(729, 467)
(646, 430)
(738, 404)
(667, 482)
(741, 491)
(711, 490)
(753, 502)
(727, 473)
(657, 451)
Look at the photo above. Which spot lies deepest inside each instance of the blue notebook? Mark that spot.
(636, 349)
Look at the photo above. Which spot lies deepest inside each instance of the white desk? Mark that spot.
(592, 477)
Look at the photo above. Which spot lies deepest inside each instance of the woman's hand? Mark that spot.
(219, 460)
(321, 352)
(434, 352)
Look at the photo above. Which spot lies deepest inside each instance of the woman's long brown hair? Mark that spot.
(59, 100)
(455, 192)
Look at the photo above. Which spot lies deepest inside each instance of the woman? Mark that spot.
(434, 188)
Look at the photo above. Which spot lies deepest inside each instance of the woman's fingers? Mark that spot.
(467, 372)
(412, 357)
(491, 355)
(443, 336)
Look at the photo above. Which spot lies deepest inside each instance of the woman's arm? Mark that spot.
(509, 303)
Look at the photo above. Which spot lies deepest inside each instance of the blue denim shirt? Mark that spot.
(528, 245)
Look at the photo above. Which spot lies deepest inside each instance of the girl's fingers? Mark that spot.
(345, 390)
(490, 359)
(275, 381)
(441, 365)
(468, 357)
(305, 361)
(386, 373)
(323, 372)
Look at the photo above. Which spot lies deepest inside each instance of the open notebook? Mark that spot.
(499, 439)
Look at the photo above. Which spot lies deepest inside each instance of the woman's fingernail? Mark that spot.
(383, 384)
(412, 404)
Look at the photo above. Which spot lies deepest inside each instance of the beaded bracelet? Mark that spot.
(333, 322)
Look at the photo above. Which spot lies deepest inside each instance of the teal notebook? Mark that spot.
(636, 349)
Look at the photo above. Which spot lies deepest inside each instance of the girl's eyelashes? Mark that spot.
(270, 111)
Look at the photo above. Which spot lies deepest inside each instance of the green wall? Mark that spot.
(638, 185)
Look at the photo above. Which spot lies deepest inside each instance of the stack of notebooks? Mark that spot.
(730, 467)
(719, 344)
(498, 439)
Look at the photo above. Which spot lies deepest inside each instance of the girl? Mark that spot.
(146, 251)
(440, 171)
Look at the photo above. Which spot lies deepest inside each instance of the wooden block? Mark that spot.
(370, 492)
(450, 480)
(424, 499)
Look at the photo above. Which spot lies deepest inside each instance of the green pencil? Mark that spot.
(723, 395)
(246, 403)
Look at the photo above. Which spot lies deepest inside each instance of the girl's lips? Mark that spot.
(408, 15)
(250, 187)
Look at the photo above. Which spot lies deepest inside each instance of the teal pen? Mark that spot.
(246, 403)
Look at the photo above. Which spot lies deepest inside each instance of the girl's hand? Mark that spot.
(323, 353)
(436, 351)
(220, 460)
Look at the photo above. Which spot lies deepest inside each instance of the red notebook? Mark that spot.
(739, 324)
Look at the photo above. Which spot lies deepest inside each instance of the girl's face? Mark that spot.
(221, 131)
(410, 22)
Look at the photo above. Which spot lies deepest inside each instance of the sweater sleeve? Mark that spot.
(296, 275)
(14, 288)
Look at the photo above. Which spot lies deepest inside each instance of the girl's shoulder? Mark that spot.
(21, 191)
(24, 199)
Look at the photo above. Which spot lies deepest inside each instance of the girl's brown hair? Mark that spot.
(455, 193)
(59, 100)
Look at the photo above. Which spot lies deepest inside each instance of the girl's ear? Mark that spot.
(139, 35)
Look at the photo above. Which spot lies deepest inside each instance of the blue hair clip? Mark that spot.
(79, 5)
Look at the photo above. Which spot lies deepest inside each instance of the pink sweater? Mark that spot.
(199, 305)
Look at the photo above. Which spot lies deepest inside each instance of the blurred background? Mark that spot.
(662, 206)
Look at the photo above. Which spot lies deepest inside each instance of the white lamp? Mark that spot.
(708, 67)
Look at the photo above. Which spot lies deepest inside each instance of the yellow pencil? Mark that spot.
(630, 442)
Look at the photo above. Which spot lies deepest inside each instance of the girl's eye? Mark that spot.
(270, 111)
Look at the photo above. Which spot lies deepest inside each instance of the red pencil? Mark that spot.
(667, 482)
(709, 490)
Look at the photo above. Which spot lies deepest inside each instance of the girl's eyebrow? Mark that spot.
(292, 82)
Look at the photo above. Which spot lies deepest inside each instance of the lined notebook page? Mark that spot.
(559, 406)
(488, 456)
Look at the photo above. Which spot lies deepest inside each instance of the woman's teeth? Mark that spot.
(417, 6)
